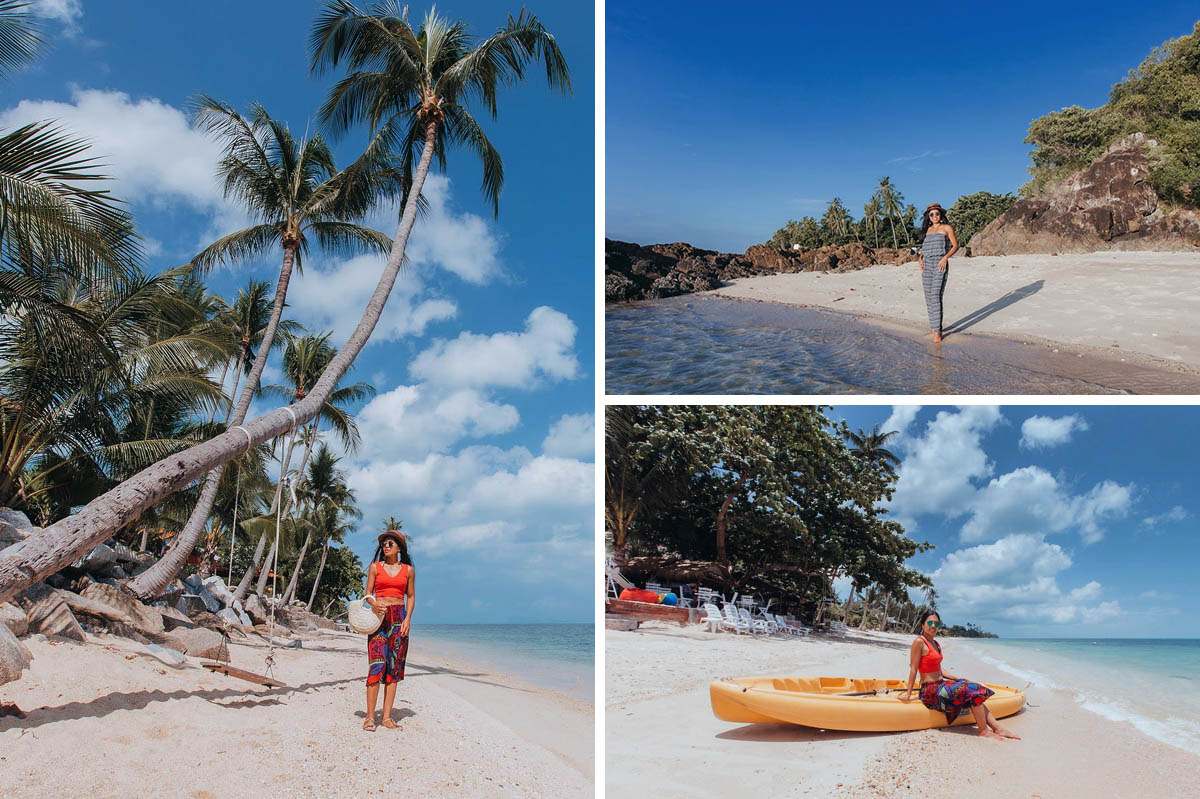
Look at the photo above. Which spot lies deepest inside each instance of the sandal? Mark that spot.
(369, 725)
(391, 725)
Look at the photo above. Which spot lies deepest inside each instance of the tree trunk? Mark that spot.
(862, 625)
(320, 570)
(237, 373)
(290, 591)
(722, 521)
(63, 542)
(887, 604)
(151, 582)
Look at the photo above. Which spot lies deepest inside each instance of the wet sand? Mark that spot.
(662, 740)
(1138, 306)
(105, 721)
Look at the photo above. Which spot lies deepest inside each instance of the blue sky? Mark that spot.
(481, 438)
(721, 122)
(1056, 521)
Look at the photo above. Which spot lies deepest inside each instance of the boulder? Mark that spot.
(256, 609)
(83, 606)
(15, 657)
(1107, 206)
(231, 617)
(102, 555)
(12, 617)
(216, 586)
(201, 642)
(123, 553)
(172, 593)
(173, 618)
(48, 613)
(142, 617)
(10, 535)
(168, 655)
(17, 520)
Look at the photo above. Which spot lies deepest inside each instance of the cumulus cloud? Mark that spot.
(572, 436)
(462, 243)
(1039, 432)
(939, 465)
(901, 417)
(68, 12)
(147, 146)
(1031, 500)
(1015, 579)
(515, 360)
(412, 420)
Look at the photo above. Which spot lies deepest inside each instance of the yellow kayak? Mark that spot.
(839, 703)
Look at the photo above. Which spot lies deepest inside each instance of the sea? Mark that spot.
(559, 657)
(1154, 684)
(704, 344)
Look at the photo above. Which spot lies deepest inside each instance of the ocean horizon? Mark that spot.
(1148, 682)
(560, 657)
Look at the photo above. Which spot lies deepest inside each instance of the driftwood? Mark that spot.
(645, 611)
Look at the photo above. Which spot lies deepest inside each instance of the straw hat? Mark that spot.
(395, 535)
(938, 206)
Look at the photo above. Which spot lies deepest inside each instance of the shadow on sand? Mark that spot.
(794, 733)
(977, 316)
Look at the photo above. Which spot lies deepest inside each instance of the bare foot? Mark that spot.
(937, 337)
(391, 725)
(369, 725)
(1006, 733)
(986, 733)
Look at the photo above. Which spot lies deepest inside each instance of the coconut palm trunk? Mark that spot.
(320, 570)
(151, 582)
(63, 542)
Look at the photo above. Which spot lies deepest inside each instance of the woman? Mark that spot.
(941, 690)
(937, 245)
(391, 594)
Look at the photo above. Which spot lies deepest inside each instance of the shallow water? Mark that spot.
(1150, 683)
(702, 344)
(560, 657)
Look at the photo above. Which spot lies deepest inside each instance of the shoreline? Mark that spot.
(661, 734)
(1087, 302)
(463, 730)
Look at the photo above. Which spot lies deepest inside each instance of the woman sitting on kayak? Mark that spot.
(945, 692)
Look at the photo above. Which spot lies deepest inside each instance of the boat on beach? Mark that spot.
(839, 703)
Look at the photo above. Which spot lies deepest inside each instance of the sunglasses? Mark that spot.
(937, 624)
(390, 543)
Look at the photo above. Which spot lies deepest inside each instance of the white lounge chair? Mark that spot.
(756, 625)
(735, 622)
(712, 617)
(838, 628)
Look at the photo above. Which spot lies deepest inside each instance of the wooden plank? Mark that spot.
(242, 674)
(646, 611)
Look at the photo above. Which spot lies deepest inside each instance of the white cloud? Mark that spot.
(334, 299)
(1015, 580)
(413, 420)
(147, 146)
(935, 475)
(902, 416)
(1039, 432)
(464, 244)
(517, 360)
(1156, 595)
(572, 436)
(68, 12)
(1176, 514)
(1031, 500)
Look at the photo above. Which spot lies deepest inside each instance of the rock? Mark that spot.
(15, 657)
(193, 583)
(12, 617)
(123, 553)
(17, 520)
(143, 561)
(216, 586)
(172, 657)
(84, 606)
(201, 642)
(143, 617)
(101, 555)
(1108, 206)
(172, 593)
(256, 609)
(173, 618)
(48, 613)
(10, 535)
(230, 616)
(191, 605)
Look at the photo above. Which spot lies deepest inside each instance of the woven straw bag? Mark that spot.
(361, 618)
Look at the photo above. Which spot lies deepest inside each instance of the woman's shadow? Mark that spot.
(977, 316)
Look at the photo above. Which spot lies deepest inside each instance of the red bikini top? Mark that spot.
(931, 661)
(387, 585)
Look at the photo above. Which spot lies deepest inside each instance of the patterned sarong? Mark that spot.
(387, 649)
(954, 697)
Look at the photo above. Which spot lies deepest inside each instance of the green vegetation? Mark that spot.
(757, 499)
(970, 631)
(971, 213)
(1160, 98)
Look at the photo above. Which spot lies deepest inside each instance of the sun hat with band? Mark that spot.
(395, 535)
(933, 206)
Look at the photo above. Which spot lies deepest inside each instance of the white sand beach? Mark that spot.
(662, 740)
(104, 721)
(1134, 305)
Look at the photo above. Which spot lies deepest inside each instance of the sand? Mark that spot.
(1133, 305)
(104, 721)
(662, 740)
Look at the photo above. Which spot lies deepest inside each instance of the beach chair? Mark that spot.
(786, 628)
(732, 621)
(756, 625)
(614, 580)
(800, 628)
(713, 618)
(772, 626)
(705, 596)
(838, 628)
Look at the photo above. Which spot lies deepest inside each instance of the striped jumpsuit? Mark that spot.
(934, 247)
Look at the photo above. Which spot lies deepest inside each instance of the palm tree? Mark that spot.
(892, 203)
(326, 494)
(246, 323)
(297, 194)
(870, 447)
(437, 65)
(19, 39)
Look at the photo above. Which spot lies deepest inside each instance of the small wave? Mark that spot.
(1181, 733)
(1028, 675)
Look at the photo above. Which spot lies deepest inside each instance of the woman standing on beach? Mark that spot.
(937, 245)
(943, 691)
(391, 593)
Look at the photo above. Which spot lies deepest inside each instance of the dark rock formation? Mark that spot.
(634, 272)
(1108, 206)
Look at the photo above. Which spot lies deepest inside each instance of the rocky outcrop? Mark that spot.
(1108, 206)
(14, 619)
(48, 613)
(634, 272)
(14, 656)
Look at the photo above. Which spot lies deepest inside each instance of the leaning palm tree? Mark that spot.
(297, 195)
(441, 68)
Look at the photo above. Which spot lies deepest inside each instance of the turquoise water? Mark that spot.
(560, 657)
(1150, 683)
